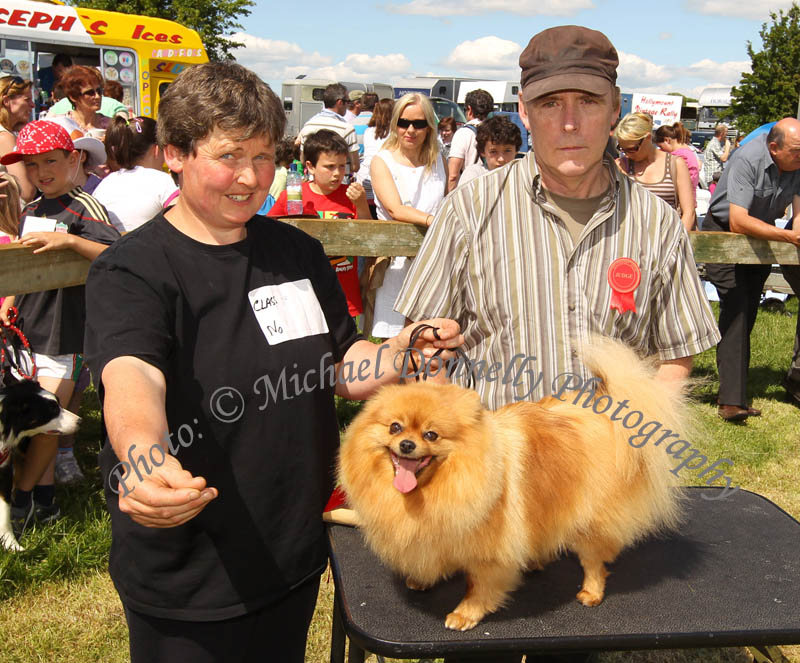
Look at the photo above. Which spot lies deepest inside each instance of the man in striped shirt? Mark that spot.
(523, 257)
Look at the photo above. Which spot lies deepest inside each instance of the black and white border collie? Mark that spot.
(25, 410)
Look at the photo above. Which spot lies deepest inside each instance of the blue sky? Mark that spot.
(668, 46)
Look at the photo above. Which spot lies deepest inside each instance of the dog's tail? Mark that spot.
(652, 421)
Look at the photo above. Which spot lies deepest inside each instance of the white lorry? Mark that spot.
(302, 98)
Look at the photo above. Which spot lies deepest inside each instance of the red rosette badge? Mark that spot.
(624, 276)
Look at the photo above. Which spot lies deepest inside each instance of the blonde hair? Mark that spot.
(429, 150)
(634, 126)
(11, 88)
(10, 207)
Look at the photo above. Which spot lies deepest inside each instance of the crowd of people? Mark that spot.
(217, 552)
(76, 179)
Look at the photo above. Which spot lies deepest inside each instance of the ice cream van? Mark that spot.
(142, 53)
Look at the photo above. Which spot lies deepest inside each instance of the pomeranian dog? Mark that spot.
(441, 485)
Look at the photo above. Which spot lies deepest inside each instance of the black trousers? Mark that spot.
(275, 633)
(792, 275)
(739, 288)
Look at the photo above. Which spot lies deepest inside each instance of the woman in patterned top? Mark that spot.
(660, 173)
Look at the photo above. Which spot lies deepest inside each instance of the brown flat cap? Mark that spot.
(568, 57)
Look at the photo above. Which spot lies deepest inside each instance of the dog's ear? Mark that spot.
(468, 400)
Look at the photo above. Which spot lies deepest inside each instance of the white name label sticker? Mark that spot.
(38, 224)
(288, 311)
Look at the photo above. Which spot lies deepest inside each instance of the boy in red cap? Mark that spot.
(63, 217)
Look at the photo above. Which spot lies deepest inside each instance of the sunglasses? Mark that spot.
(98, 91)
(634, 148)
(402, 123)
(11, 81)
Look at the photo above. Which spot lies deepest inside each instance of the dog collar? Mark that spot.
(4, 454)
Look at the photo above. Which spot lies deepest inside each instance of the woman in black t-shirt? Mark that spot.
(215, 337)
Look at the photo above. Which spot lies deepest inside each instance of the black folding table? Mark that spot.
(729, 577)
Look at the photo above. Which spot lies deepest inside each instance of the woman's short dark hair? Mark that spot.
(77, 78)
(218, 95)
(127, 141)
(498, 130)
(382, 117)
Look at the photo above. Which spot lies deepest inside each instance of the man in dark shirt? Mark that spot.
(763, 178)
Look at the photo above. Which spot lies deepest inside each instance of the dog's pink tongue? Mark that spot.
(405, 480)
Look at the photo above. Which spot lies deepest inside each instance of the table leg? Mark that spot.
(337, 632)
(354, 653)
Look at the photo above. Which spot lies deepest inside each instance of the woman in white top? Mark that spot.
(374, 137)
(408, 178)
(136, 192)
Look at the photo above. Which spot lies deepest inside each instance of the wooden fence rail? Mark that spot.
(22, 272)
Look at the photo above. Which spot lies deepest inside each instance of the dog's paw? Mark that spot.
(416, 586)
(457, 621)
(10, 543)
(589, 598)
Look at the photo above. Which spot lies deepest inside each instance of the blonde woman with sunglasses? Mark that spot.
(409, 179)
(659, 172)
(16, 105)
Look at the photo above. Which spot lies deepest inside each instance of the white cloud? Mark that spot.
(639, 75)
(394, 63)
(281, 60)
(755, 9)
(446, 8)
(487, 57)
(634, 72)
(725, 73)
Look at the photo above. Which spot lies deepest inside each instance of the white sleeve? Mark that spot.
(460, 143)
(166, 188)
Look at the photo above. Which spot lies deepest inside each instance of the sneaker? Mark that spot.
(46, 514)
(21, 517)
(67, 469)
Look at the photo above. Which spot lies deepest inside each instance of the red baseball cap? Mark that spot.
(37, 138)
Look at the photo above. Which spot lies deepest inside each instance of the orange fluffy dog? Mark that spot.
(441, 485)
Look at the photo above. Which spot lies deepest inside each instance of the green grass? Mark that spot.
(58, 604)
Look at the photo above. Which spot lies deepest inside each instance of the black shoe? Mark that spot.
(792, 389)
(46, 514)
(21, 517)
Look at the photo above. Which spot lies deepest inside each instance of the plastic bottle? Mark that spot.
(294, 191)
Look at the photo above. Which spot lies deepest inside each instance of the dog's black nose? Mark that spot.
(407, 446)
